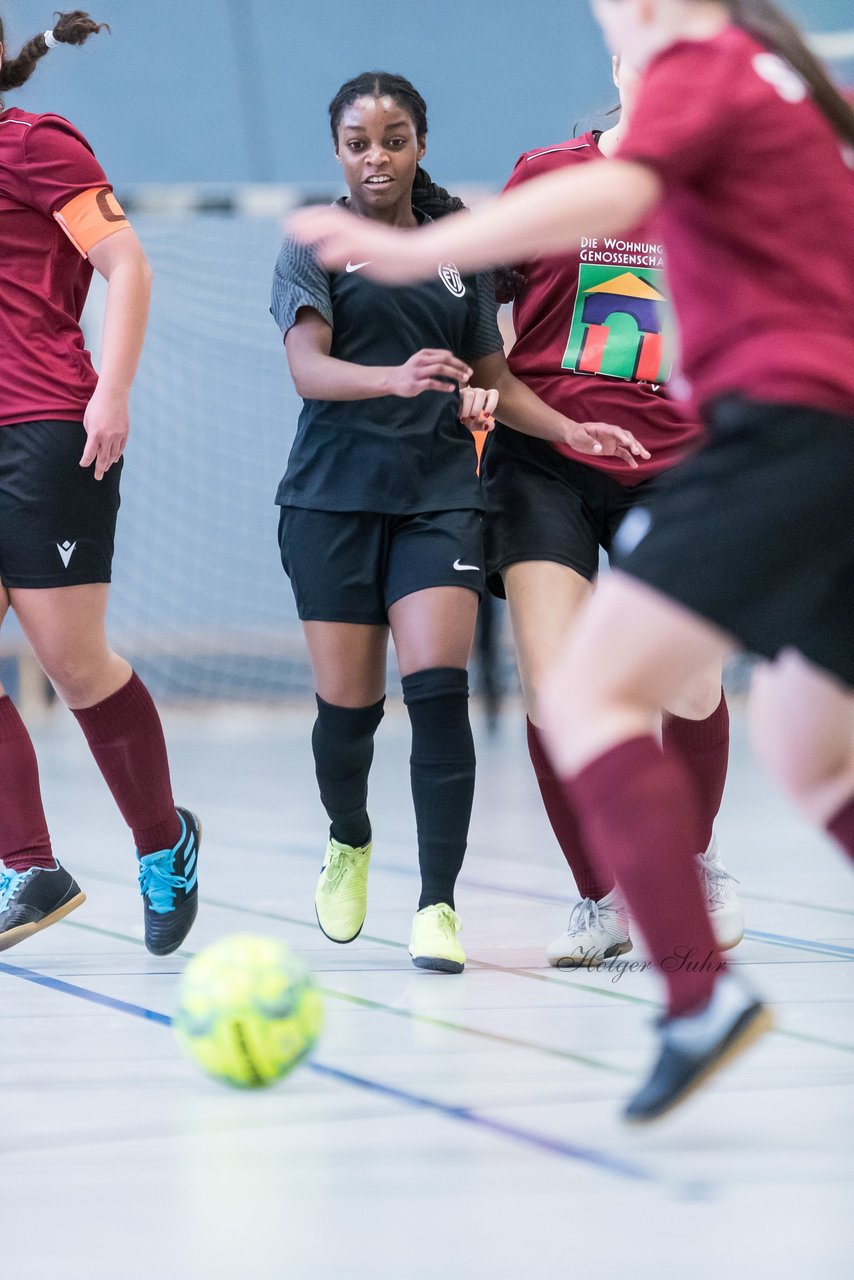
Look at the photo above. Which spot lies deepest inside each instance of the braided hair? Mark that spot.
(70, 28)
(427, 196)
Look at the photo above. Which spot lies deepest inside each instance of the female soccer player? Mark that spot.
(380, 526)
(592, 340)
(736, 142)
(62, 434)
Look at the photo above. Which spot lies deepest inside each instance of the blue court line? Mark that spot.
(552, 1146)
(532, 895)
(755, 935)
(561, 900)
(801, 944)
(83, 993)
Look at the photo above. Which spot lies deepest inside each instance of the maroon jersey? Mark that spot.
(758, 219)
(46, 226)
(594, 335)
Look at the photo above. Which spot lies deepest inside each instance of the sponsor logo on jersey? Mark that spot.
(66, 550)
(620, 325)
(451, 279)
(356, 266)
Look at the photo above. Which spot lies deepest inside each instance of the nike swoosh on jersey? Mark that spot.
(475, 568)
(356, 266)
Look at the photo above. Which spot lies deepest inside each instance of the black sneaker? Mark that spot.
(696, 1046)
(168, 882)
(31, 900)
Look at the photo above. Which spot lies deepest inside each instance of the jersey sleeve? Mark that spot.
(483, 337)
(64, 181)
(685, 115)
(299, 281)
(59, 165)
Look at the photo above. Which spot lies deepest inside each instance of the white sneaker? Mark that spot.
(597, 931)
(721, 898)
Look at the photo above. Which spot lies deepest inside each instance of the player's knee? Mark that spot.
(804, 769)
(698, 700)
(77, 678)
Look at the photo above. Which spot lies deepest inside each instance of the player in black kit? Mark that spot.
(380, 526)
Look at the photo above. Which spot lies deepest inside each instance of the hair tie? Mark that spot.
(50, 40)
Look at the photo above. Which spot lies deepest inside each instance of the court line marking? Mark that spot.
(834, 950)
(411, 1015)
(553, 977)
(616, 1165)
(794, 902)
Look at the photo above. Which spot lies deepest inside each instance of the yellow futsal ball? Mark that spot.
(248, 1010)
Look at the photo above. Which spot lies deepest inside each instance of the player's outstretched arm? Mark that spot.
(120, 260)
(546, 215)
(522, 409)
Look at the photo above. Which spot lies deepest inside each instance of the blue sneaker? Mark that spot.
(168, 882)
(33, 899)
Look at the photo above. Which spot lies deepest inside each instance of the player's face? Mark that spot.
(378, 149)
(632, 28)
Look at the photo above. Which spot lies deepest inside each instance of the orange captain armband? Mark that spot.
(90, 217)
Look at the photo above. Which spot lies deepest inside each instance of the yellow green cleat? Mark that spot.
(341, 897)
(434, 943)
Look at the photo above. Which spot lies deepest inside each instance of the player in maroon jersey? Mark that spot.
(738, 145)
(593, 340)
(62, 434)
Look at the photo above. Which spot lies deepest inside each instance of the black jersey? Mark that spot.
(388, 454)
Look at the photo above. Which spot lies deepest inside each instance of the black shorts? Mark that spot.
(351, 566)
(541, 505)
(57, 522)
(756, 531)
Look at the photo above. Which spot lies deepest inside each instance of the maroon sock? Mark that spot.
(126, 738)
(703, 747)
(841, 827)
(637, 809)
(564, 822)
(24, 840)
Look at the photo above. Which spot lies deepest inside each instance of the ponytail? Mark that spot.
(70, 28)
(431, 199)
(762, 19)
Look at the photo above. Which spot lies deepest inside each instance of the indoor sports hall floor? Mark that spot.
(447, 1126)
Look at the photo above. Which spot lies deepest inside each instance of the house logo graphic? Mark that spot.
(620, 325)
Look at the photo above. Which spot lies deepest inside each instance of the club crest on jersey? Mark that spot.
(451, 279)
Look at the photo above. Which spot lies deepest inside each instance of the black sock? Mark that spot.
(343, 744)
(442, 767)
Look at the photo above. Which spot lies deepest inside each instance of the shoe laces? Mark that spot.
(342, 860)
(158, 882)
(716, 878)
(11, 882)
(447, 919)
(584, 916)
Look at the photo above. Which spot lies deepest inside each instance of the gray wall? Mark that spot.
(236, 90)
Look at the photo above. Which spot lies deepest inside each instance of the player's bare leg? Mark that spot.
(35, 891)
(632, 653)
(66, 629)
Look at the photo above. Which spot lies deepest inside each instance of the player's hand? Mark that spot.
(341, 239)
(107, 425)
(428, 370)
(602, 438)
(477, 408)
